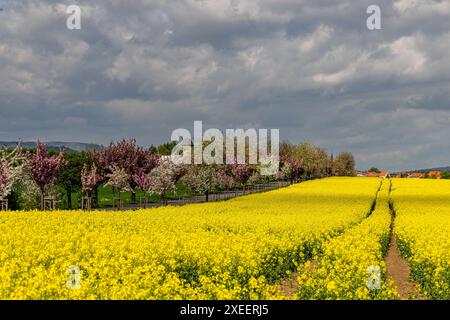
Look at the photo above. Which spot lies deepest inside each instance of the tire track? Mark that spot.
(398, 269)
(289, 286)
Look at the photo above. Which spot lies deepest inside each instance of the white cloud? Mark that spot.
(316, 39)
(422, 7)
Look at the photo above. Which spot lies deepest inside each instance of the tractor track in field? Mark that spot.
(398, 269)
(289, 286)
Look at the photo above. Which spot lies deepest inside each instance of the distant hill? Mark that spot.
(442, 169)
(55, 145)
(446, 169)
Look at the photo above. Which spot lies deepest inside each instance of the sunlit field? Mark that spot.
(422, 210)
(325, 234)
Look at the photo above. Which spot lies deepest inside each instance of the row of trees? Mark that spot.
(125, 166)
(33, 172)
(306, 161)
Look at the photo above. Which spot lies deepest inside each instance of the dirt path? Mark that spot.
(398, 269)
(289, 286)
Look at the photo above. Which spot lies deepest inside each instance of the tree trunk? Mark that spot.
(42, 200)
(69, 199)
(207, 196)
(133, 196)
(96, 200)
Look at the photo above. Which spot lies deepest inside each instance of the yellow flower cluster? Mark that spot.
(423, 231)
(234, 249)
(351, 265)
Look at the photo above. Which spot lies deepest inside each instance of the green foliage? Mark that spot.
(445, 175)
(106, 195)
(14, 200)
(69, 178)
(166, 148)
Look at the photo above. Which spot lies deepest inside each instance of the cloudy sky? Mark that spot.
(311, 68)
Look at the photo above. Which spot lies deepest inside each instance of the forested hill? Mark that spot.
(55, 145)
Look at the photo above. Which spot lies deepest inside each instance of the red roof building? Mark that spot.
(373, 174)
(435, 174)
(384, 175)
(417, 175)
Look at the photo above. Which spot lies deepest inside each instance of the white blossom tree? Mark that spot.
(12, 167)
(163, 178)
(89, 178)
(119, 179)
(205, 179)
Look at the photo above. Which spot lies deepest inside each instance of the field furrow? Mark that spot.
(351, 265)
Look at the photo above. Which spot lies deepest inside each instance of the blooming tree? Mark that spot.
(31, 196)
(180, 172)
(142, 180)
(241, 173)
(5, 179)
(164, 177)
(223, 180)
(255, 178)
(292, 169)
(279, 176)
(44, 168)
(119, 179)
(12, 164)
(89, 178)
(127, 155)
(204, 179)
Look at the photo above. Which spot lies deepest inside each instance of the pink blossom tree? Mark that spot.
(292, 168)
(142, 181)
(44, 168)
(223, 180)
(126, 155)
(241, 173)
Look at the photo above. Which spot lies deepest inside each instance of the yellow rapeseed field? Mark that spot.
(351, 265)
(229, 250)
(423, 229)
(334, 232)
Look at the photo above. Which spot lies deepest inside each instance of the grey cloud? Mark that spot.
(311, 68)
